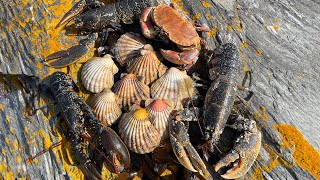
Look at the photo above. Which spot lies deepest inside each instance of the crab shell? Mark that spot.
(177, 27)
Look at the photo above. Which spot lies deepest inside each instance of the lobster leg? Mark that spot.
(246, 149)
(66, 57)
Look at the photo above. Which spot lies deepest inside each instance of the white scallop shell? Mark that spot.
(105, 106)
(147, 65)
(127, 47)
(97, 73)
(137, 132)
(174, 85)
(160, 111)
(130, 90)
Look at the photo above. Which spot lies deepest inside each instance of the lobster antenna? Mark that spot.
(29, 160)
(193, 107)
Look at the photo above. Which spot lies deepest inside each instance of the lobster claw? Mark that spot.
(90, 171)
(245, 151)
(66, 57)
(115, 150)
(183, 149)
(85, 164)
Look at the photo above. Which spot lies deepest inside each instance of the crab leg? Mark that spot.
(246, 149)
(66, 57)
(183, 149)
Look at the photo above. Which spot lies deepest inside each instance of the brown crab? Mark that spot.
(177, 29)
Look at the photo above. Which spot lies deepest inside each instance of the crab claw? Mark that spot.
(245, 151)
(181, 58)
(75, 10)
(115, 150)
(66, 57)
(145, 23)
(183, 149)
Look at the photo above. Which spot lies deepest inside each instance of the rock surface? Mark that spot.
(278, 40)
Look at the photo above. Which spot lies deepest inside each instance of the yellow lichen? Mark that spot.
(4, 152)
(26, 130)
(212, 32)
(9, 175)
(261, 114)
(209, 16)
(18, 159)
(245, 45)
(73, 171)
(195, 17)
(230, 28)
(8, 119)
(178, 4)
(275, 27)
(46, 139)
(299, 75)
(1, 107)
(11, 130)
(277, 20)
(304, 155)
(7, 141)
(258, 52)
(206, 4)
(3, 167)
(238, 24)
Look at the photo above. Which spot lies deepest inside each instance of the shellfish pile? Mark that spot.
(144, 96)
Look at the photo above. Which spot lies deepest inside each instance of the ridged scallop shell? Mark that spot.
(127, 47)
(147, 65)
(160, 111)
(138, 133)
(174, 85)
(105, 106)
(130, 90)
(97, 73)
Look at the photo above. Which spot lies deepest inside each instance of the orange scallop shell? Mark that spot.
(147, 65)
(137, 132)
(97, 73)
(160, 111)
(105, 106)
(174, 85)
(127, 47)
(130, 90)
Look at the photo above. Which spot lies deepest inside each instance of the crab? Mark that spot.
(175, 27)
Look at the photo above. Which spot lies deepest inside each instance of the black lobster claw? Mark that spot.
(85, 164)
(66, 57)
(115, 150)
(75, 10)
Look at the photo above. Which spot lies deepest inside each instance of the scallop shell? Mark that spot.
(97, 73)
(147, 65)
(138, 133)
(105, 106)
(127, 47)
(131, 90)
(160, 111)
(174, 85)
